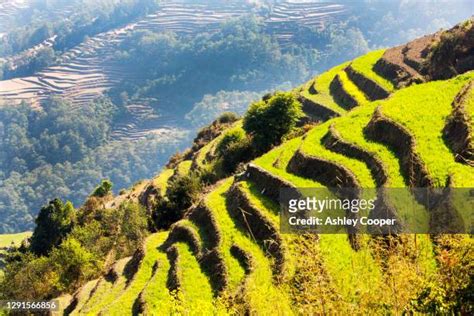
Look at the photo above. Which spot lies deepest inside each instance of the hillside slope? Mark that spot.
(88, 70)
(379, 129)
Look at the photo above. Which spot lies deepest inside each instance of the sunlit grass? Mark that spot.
(184, 167)
(312, 146)
(124, 302)
(196, 295)
(158, 299)
(423, 110)
(321, 84)
(260, 291)
(350, 88)
(364, 65)
(161, 181)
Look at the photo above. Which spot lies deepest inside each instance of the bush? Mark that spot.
(269, 121)
(182, 192)
(104, 189)
(227, 118)
(236, 153)
(231, 137)
(234, 148)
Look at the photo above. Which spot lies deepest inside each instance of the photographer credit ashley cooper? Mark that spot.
(342, 184)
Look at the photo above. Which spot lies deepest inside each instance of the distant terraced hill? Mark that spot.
(227, 255)
(86, 71)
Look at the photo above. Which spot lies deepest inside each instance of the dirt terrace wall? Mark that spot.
(245, 258)
(384, 130)
(204, 218)
(182, 233)
(458, 130)
(210, 260)
(173, 282)
(392, 67)
(370, 88)
(336, 177)
(315, 110)
(342, 98)
(329, 173)
(453, 54)
(334, 142)
(312, 89)
(416, 51)
(269, 184)
(213, 264)
(259, 227)
(132, 266)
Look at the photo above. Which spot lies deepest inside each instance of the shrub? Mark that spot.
(269, 121)
(227, 118)
(234, 148)
(104, 189)
(182, 192)
(231, 137)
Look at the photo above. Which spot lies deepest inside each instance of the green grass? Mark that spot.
(355, 273)
(6, 240)
(321, 83)
(195, 293)
(351, 129)
(271, 211)
(183, 167)
(158, 299)
(423, 110)
(260, 291)
(216, 202)
(211, 146)
(365, 64)
(125, 301)
(276, 160)
(312, 146)
(350, 88)
(83, 296)
(104, 294)
(161, 181)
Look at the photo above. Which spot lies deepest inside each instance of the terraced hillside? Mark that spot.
(228, 255)
(8, 9)
(86, 71)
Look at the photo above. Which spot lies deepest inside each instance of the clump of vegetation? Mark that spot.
(210, 132)
(53, 223)
(70, 247)
(104, 189)
(269, 120)
(452, 290)
(182, 191)
(234, 148)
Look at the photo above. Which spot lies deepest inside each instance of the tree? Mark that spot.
(268, 121)
(74, 263)
(103, 189)
(53, 223)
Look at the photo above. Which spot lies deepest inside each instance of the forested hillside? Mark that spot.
(203, 236)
